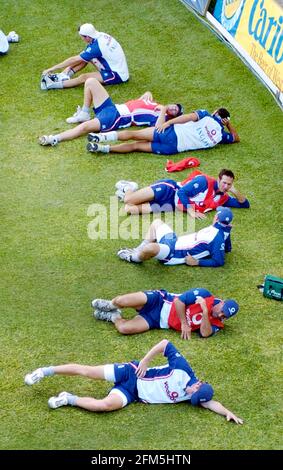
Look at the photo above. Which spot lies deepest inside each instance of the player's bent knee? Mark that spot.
(131, 209)
(124, 329)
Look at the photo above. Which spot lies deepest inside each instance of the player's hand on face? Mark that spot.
(231, 417)
(141, 370)
(225, 122)
(159, 107)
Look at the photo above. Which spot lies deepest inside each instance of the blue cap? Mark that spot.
(225, 215)
(230, 308)
(204, 393)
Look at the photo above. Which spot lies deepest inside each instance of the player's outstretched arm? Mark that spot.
(218, 408)
(157, 349)
(70, 62)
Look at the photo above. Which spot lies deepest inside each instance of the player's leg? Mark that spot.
(151, 247)
(138, 201)
(94, 93)
(143, 138)
(128, 148)
(112, 402)
(133, 326)
(140, 134)
(93, 372)
(84, 128)
(133, 300)
(81, 79)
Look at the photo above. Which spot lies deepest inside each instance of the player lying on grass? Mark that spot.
(197, 194)
(109, 116)
(197, 130)
(135, 382)
(193, 310)
(102, 51)
(206, 247)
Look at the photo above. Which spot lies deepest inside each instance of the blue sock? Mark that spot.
(48, 371)
(72, 400)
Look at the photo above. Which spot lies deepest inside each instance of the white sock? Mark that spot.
(104, 148)
(142, 244)
(85, 109)
(71, 73)
(110, 136)
(57, 138)
(135, 257)
(58, 84)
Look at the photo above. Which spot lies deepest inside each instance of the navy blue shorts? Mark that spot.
(165, 143)
(170, 241)
(151, 310)
(164, 195)
(126, 380)
(110, 77)
(109, 117)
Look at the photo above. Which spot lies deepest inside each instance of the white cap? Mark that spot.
(88, 29)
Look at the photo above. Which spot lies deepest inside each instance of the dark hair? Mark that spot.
(180, 108)
(225, 172)
(223, 113)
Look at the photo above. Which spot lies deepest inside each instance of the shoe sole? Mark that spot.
(93, 138)
(90, 148)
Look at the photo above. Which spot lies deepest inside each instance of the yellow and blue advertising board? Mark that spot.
(257, 26)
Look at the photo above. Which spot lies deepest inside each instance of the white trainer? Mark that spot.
(48, 140)
(93, 137)
(103, 304)
(43, 85)
(60, 400)
(13, 37)
(124, 185)
(107, 316)
(78, 116)
(120, 195)
(34, 377)
(126, 255)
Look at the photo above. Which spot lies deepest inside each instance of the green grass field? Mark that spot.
(51, 269)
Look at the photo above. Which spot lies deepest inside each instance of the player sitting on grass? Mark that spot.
(102, 51)
(134, 382)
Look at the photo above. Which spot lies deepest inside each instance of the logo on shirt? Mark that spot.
(172, 395)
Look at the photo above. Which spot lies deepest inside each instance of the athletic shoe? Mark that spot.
(43, 85)
(107, 316)
(48, 140)
(62, 76)
(52, 81)
(78, 116)
(92, 147)
(126, 255)
(34, 377)
(103, 304)
(125, 185)
(120, 195)
(60, 400)
(13, 37)
(93, 137)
